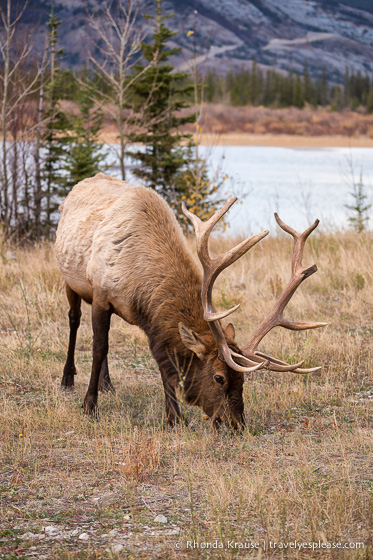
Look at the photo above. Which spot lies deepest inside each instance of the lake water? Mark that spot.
(300, 184)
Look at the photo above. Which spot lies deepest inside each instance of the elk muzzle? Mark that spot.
(231, 414)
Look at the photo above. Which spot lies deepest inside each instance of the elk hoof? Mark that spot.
(67, 388)
(90, 406)
(91, 418)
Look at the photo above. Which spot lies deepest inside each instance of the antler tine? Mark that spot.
(299, 241)
(211, 270)
(203, 229)
(278, 365)
(213, 267)
(217, 265)
(276, 317)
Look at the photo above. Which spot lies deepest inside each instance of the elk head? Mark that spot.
(225, 369)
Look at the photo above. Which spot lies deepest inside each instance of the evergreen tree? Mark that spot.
(269, 95)
(298, 93)
(255, 84)
(56, 123)
(159, 94)
(323, 88)
(370, 101)
(336, 98)
(286, 89)
(346, 88)
(360, 208)
(308, 86)
(211, 83)
(85, 156)
(274, 89)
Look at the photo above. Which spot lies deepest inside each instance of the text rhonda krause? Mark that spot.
(273, 545)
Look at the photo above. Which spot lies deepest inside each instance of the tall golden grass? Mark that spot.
(302, 471)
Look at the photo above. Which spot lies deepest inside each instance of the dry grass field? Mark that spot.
(73, 488)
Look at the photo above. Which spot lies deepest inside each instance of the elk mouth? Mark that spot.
(223, 414)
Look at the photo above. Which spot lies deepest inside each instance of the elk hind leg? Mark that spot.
(101, 314)
(74, 321)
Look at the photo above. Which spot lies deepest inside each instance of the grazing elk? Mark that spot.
(120, 249)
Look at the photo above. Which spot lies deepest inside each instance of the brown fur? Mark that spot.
(121, 249)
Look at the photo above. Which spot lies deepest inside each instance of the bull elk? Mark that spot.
(120, 249)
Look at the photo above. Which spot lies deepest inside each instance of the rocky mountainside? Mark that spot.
(280, 33)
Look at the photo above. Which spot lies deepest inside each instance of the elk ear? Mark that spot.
(230, 332)
(192, 340)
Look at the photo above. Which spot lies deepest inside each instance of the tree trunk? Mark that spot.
(38, 193)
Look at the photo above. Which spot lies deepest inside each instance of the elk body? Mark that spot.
(120, 249)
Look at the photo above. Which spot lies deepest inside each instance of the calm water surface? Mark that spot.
(300, 184)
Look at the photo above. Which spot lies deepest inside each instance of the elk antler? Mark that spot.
(276, 317)
(211, 269)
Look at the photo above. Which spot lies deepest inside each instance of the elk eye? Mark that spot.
(219, 379)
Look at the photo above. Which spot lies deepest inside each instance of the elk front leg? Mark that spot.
(104, 383)
(173, 413)
(74, 320)
(101, 315)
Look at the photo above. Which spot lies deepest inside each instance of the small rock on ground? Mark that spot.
(50, 529)
(160, 519)
(27, 536)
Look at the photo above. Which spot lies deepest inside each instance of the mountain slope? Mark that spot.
(283, 34)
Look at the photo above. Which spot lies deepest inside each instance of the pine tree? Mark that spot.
(298, 93)
(336, 98)
(85, 156)
(360, 208)
(370, 101)
(210, 86)
(322, 88)
(346, 88)
(159, 94)
(308, 86)
(54, 137)
(254, 84)
(269, 96)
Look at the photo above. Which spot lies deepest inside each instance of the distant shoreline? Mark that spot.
(264, 126)
(271, 140)
(287, 141)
